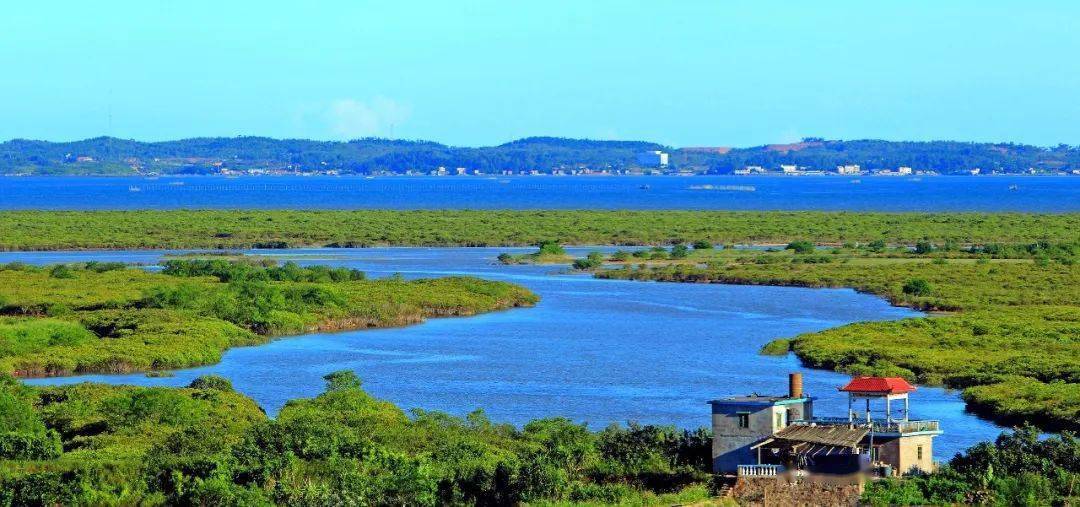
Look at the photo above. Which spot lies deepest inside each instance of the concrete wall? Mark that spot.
(909, 453)
(903, 453)
(731, 444)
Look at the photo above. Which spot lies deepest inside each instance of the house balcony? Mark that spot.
(759, 470)
(879, 426)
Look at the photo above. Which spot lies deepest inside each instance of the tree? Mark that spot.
(801, 247)
(924, 247)
(342, 380)
(679, 251)
(551, 248)
(591, 261)
(215, 382)
(702, 245)
(917, 287)
(61, 271)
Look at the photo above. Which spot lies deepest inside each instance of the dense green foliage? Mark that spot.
(1010, 339)
(105, 155)
(49, 230)
(1016, 469)
(262, 271)
(208, 445)
(94, 319)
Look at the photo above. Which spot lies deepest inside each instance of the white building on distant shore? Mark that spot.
(848, 169)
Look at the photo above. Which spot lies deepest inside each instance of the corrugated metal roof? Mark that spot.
(835, 435)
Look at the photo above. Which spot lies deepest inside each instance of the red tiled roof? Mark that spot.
(891, 385)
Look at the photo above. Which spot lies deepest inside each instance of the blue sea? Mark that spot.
(597, 351)
(927, 193)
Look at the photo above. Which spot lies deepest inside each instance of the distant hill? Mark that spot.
(106, 155)
(942, 156)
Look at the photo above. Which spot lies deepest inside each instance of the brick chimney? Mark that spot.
(795, 385)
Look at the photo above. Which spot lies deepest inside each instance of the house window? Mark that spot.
(918, 453)
(780, 420)
(744, 420)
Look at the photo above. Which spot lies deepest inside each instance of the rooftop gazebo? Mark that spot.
(875, 388)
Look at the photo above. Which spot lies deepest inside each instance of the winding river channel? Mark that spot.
(599, 351)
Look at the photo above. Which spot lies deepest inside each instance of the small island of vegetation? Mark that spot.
(548, 252)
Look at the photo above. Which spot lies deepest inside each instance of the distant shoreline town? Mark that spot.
(537, 156)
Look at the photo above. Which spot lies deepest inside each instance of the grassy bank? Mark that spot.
(62, 320)
(51, 230)
(1009, 334)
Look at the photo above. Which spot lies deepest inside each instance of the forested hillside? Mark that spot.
(106, 155)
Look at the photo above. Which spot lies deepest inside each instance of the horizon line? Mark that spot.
(806, 139)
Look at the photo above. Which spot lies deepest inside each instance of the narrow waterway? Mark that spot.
(592, 350)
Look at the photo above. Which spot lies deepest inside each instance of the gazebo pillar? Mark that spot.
(850, 409)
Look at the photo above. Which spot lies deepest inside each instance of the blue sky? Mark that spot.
(685, 73)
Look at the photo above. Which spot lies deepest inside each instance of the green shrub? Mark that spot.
(917, 287)
(61, 271)
(592, 261)
(551, 248)
(214, 382)
(924, 247)
(801, 247)
(30, 446)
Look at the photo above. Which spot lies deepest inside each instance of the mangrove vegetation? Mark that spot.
(232, 229)
(110, 318)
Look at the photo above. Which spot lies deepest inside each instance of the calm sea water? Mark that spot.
(941, 193)
(599, 351)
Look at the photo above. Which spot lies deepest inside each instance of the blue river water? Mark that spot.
(597, 351)
(929, 193)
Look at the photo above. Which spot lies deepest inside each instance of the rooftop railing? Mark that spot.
(879, 426)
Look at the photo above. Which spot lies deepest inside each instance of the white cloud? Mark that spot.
(351, 118)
